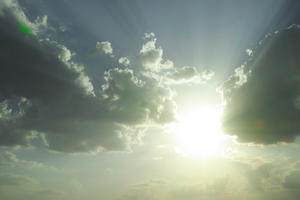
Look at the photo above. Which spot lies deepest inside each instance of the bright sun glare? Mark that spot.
(198, 132)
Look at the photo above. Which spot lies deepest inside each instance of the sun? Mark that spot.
(198, 132)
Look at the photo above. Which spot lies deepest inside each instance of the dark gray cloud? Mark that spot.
(44, 94)
(263, 96)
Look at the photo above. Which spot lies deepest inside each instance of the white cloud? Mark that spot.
(249, 52)
(187, 74)
(104, 47)
(150, 57)
(124, 61)
(149, 35)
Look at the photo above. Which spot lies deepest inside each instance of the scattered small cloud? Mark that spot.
(124, 61)
(249, 52)
(187, 74)
(104, 47)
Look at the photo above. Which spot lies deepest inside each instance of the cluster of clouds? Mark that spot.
(262, 97)
(151, 62)
(45, 96)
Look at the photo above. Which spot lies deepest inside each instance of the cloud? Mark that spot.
(262, 98)
(259, 177)
(151, 64)
(242, 181)
(11, 8)
(187, 74)
(149, 35)
(46, 96)
(292, 181)
(150, 57)
(149, 183)
(249, 52)
(217, 189)
(134, 100)
(124, 61)
(238, 79)
(15, 180)
(104, 47)
(10, 160)
(162, 189)
(49, 194)
(146, 190)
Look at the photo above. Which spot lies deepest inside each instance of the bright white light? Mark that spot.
(198, 132)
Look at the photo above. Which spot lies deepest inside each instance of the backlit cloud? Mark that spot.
(263, 96)
(187, 74)
(150, 56)
(46, 96)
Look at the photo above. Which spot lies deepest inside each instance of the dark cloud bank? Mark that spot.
(43, 94)
(263, 97)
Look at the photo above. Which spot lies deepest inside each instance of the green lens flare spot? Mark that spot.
(25, 29)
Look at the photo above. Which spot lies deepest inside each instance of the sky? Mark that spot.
(149, 100)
